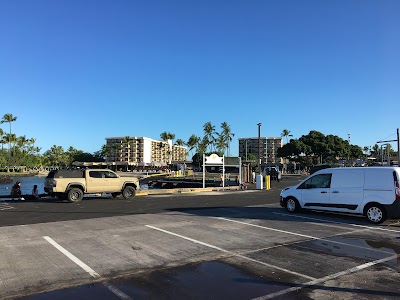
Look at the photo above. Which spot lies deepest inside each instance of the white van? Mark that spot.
(371, 191)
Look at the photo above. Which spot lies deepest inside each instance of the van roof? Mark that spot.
(397, 169)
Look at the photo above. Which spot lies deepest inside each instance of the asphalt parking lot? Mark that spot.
(221, 245)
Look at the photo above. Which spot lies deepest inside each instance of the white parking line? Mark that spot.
(336, 222)
(301, 235)
(229, 252)
(86, 268)
(5, 206)
(326, 278)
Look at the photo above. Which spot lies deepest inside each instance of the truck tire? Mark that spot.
(75, 195)
(128, 192)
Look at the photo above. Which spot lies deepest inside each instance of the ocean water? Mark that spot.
(27, 184)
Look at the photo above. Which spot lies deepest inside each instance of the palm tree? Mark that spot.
(105, 151)
(32, 141)
(179, 142)
(221, 143)
(9, 118)
(1, 139)
(285, 133)
(116, 148)
(193, 142)
(227, 136)
(209, 132)
(165, 136)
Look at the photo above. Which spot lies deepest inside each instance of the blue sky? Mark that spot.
(75, 72)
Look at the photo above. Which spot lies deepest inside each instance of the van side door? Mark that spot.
(316, 190)
(347, 189)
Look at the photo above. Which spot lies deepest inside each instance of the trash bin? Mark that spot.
(259, 182)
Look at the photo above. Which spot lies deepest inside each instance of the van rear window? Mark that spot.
(379, 178)
(348, 179)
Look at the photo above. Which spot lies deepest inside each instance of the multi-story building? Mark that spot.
(268, 148)
(142, 150)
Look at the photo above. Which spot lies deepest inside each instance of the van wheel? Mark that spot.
(75, 195)
(292, 205)
(128, 192)
(375, 213)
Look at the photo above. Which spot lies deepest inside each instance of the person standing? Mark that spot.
(16, 191)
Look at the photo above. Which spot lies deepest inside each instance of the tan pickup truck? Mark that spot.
(73, 184)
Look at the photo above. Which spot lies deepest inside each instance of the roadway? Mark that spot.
(214, 245)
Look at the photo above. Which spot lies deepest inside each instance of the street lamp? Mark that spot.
(259, 149)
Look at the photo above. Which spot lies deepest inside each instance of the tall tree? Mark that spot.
(165, 136)
(285, 133)
(1, 139)
(209, 135)
(56, 156)
(193, 143)
(227, 136)
(221, 142)
(8, 118)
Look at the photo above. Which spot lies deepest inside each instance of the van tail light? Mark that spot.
(397, 189)
(55, 184)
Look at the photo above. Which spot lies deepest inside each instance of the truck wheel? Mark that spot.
(75, 195)
(128, 192)
(375, 213)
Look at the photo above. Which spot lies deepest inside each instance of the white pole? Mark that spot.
(240, 170)
(204, 174)
(223, 171)
(398, 147)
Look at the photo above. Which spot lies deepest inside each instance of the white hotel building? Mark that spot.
(143, 151)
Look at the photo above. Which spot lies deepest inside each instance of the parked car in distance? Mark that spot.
(371, 191)
(73, 184)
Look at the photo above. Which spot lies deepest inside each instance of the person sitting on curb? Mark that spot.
(16, 191)
(35, 192)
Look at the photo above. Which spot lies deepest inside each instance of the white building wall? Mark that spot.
(147, 151)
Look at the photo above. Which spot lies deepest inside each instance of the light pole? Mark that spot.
(246, 149)
(259, 149)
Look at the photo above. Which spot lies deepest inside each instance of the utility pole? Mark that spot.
(259, 149)
(348, 158)
(398, 148)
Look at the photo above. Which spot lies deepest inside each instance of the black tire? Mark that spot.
(75, 195)
(292, 205)
(115, 195)
(128, 192)
(375, 213)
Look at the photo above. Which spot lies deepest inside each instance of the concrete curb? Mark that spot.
(185, 190)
